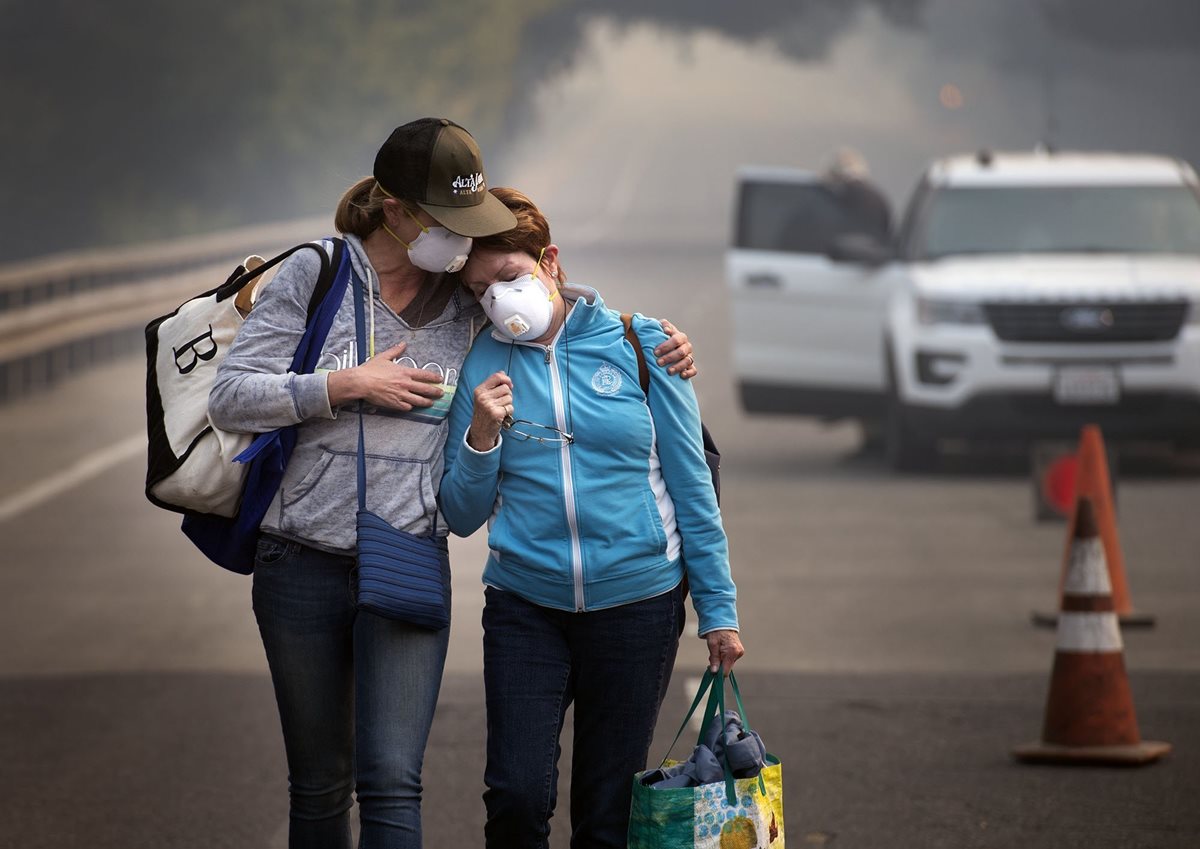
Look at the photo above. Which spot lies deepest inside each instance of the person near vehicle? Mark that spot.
(599, 503)
(356, 692)
(848, 178)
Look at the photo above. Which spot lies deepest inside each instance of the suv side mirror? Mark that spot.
(859, 248)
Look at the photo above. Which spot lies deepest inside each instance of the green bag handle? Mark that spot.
(705, 683)
(737, 694)
(715, 711)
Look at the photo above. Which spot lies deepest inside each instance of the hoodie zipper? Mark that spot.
(568, 481)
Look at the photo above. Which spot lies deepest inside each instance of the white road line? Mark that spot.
(84, 470)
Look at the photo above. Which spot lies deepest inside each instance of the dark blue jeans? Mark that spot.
(615, 666)
(356, 695)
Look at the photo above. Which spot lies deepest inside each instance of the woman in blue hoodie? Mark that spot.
(599, 505)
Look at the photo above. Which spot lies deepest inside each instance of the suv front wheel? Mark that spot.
(905, 449)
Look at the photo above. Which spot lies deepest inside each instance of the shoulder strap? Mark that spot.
(631, 335)
(329, 270)
(360, 335)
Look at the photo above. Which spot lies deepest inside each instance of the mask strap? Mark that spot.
(424, 229)
(553, 288)
(407, 211)
(397, 238)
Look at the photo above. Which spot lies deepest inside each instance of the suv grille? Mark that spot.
(1088, 322)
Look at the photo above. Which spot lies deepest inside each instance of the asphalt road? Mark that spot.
(891, 663)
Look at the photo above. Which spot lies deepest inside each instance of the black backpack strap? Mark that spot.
(329, 268)
(631, 335)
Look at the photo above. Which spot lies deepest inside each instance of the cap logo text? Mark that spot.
(469, 183)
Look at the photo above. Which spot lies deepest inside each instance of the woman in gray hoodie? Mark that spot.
(356, 692)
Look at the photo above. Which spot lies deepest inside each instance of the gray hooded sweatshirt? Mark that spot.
(254, 392)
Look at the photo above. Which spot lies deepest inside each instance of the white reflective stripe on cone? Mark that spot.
(1087, 573)
(1089, 632)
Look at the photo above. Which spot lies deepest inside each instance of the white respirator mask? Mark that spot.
(521, 309)
(435, 249)
(439, 249)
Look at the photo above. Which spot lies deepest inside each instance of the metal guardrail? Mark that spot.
(61, 314)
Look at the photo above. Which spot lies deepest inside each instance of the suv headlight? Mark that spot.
(938, 311)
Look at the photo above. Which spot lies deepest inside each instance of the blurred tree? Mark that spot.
(138, 119)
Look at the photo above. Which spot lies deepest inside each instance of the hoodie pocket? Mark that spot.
(324, 503)
(303, 487)
(627, 535)
(655, 521)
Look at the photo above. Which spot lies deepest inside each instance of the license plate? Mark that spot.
(1087, 385)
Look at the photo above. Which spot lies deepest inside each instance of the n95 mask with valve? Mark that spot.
(435, 249)
(520, 309)
(439, 249)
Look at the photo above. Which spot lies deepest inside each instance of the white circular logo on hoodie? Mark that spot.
(607, 380)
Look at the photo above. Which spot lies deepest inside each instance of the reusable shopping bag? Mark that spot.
(737, 813)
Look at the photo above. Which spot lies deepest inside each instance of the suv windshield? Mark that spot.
(1062, 219)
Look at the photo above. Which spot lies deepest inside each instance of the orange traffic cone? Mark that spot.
(1092, 482)
(1089, 711)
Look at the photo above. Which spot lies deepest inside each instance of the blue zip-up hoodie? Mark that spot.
(613, 518)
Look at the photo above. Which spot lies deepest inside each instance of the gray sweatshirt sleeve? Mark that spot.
(253, 391)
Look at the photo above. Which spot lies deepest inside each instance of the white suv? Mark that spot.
(1024, 295)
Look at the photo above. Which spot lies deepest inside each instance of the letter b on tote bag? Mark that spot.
(739, 813)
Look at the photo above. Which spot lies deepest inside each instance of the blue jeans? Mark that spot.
(356, 695)
(615, 666)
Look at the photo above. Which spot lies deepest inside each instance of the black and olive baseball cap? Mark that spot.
(437, 164)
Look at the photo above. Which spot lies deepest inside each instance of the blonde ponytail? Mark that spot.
(360, 211)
